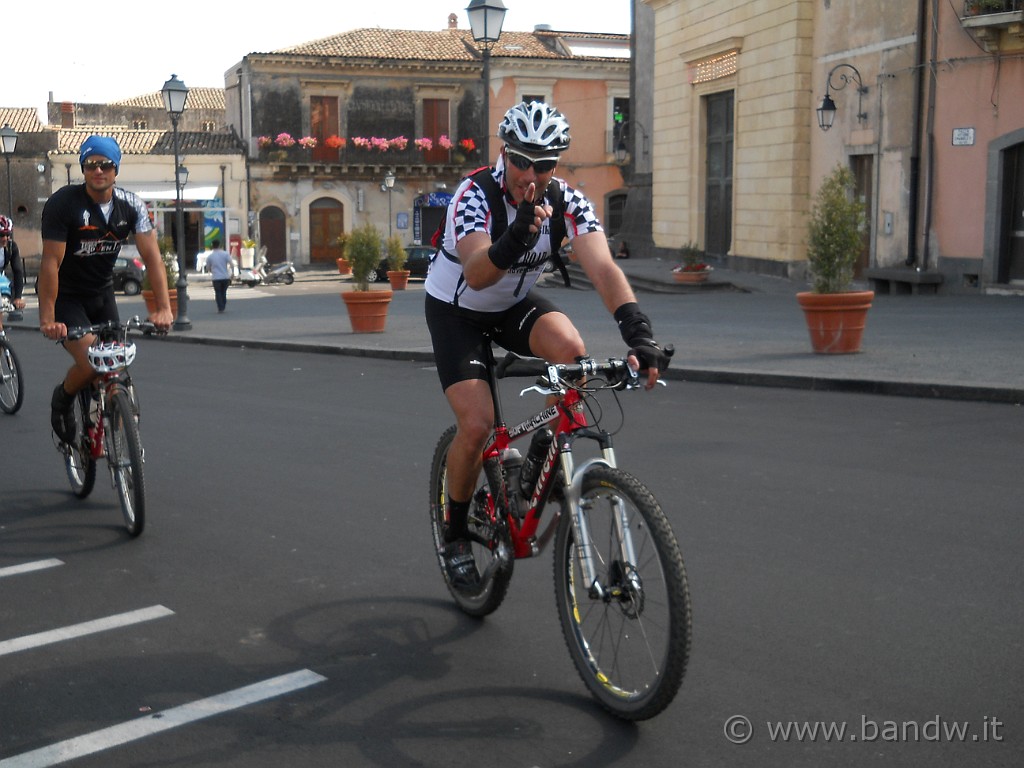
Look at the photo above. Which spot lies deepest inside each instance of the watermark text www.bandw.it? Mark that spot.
(739, 730)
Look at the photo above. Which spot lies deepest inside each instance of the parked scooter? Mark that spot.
(276, 273)
(266, 274)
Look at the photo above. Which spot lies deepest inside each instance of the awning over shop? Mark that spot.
(165, 191)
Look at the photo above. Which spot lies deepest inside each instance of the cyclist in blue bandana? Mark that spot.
(83, 227)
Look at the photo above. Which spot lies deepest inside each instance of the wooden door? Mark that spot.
(274, 234)
(326, 222)
(718, 174)
(323, 117)
(862, 167)
(435, 125)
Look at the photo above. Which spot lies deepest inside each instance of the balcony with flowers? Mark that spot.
(366, 154)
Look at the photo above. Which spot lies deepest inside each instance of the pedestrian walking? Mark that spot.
(219, 264)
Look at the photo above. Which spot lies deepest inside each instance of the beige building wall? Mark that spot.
(762, 53)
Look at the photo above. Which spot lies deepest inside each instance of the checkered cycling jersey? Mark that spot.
(469, 212)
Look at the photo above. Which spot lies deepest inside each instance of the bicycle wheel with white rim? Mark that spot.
(11, 385)
(494, 559)
(124, 457)
(629, 632)
(78, 460)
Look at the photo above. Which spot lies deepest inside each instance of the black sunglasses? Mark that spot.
(524, 162)
(103, 165)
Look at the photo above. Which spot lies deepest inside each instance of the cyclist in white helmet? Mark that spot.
(10, 258)
(480, 283)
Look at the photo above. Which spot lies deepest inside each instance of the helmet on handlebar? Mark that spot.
(108, 356)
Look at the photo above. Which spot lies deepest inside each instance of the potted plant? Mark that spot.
(693, 268)
(367, 310)
(398, 275)
(344, 267)
(170, 261)
(248, 253)
(835, 314)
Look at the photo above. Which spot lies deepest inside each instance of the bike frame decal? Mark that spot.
(533, 423)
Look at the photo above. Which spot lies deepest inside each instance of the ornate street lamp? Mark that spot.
(389, 184)
(8, 141)
(485, 19)
(827, 109)
(175, 95)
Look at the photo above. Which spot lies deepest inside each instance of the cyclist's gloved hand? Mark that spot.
(517, 239)
(636, 331)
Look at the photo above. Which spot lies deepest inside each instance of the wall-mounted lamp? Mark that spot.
(827, 109)
(621, 148)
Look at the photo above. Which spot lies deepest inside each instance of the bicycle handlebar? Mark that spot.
(615, 369)
(107, 328)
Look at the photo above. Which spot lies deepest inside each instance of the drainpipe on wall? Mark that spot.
(915, 139)
(930, 138)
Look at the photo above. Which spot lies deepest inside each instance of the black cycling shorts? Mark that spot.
(458, 333)
(81, 311)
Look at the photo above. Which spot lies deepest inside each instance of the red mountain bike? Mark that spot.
(106, 417)
(620, 582)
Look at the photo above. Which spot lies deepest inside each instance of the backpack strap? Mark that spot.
(483, 178)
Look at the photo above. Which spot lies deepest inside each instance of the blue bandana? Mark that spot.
(104, 146)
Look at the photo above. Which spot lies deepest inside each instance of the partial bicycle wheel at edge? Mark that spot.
(493, 562)
(628, 635)
(124, 456)
(12, 391)
(78, 461)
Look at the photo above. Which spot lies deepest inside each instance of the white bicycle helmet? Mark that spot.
(537, 129)
(110, 356)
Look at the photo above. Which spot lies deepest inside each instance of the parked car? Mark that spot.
(417, 262)
(128, 273)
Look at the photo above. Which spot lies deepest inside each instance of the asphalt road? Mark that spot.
(854, 562)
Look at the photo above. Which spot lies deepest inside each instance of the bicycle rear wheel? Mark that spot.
(78, 461)
(124, 457)
(628, 634)
(494, 560)
(11, 386)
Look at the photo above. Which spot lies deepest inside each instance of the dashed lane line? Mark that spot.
(37, 565)
(86, 628)
(133, 730)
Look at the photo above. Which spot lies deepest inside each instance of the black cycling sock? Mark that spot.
(458, 521)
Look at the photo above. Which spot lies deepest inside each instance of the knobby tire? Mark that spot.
(78, 461)
(124, 457)
(12, 386)
(631, 645)
(495, 570)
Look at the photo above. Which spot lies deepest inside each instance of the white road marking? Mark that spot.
(38, 565)
(133, 730)
(86, 628)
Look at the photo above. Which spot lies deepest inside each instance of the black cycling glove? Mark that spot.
(517, 239)
(636, 331)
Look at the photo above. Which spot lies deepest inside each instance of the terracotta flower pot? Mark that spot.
(692, 276)
(836, 321)
(344, 267)
(399, 279)
(367, 310)
(150, 298)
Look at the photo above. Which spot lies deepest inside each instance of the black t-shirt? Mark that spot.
(92, 242)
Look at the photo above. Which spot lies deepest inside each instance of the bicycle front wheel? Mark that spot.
(494, 559)
(628, 632)
(11, 386)
(78, 461)
(124, 456)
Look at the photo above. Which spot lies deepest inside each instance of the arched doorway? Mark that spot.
(326, 222)
(274, 234)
